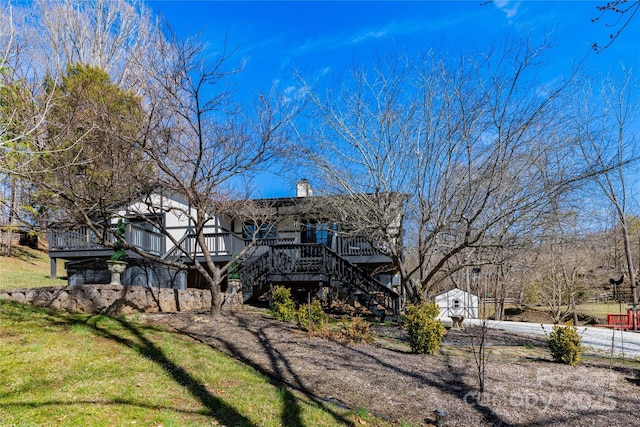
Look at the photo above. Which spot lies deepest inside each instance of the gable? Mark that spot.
(445, 299)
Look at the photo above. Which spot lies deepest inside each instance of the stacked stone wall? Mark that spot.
(114, 299)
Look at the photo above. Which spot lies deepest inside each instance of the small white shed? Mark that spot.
(458, 303)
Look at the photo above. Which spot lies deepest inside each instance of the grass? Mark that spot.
(78, 370)
(601, 309)
(540, 314)
(28, 268)
(61, 369)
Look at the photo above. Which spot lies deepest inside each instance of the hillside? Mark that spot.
(167, 369)
(62, 369)
(28, 268)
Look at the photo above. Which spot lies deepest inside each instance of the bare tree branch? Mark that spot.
(475, 150)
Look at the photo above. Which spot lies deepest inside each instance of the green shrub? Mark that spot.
(356, 331)
(283, 306)
(424, 333)
(565, 344)
(318, 318)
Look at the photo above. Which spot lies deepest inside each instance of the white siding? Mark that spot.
(457, 302)
(176, 220)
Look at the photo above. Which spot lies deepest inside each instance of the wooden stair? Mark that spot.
(312, 262)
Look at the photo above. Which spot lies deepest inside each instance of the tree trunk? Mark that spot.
(216, 298)
(6, 247)
(630, 271)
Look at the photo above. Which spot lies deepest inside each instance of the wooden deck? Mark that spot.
(82, 242)
(78, 241)
(279, 261)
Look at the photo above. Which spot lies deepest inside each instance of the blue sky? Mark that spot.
(326, 38)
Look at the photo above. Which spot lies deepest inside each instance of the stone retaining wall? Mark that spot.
(114, 299)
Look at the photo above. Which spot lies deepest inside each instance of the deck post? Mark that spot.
(53, 268)
(396, 310)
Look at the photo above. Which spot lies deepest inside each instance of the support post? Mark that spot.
(309, 307)
(53, 268)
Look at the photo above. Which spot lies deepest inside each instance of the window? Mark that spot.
(261, 231)
(147, 225)
(456, 303)
(316, 232)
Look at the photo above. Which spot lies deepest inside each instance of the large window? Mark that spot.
(317, 232)
(260, 231)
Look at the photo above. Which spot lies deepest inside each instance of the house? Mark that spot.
(296, 244)
(456, 303)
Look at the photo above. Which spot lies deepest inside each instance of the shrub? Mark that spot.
(356, 331)
(565, 344)
(317, 320)
(283, 306)
(424, 333)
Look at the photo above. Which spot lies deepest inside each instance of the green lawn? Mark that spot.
(28, 268)
(60, 369)
(76, 370)
(601, 309)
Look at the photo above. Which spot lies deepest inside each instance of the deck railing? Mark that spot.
(261, 246)
(219, 244)
(354, 246)
(145, 240)
(83, 238)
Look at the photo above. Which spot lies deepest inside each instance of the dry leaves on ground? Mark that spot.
(524, 388)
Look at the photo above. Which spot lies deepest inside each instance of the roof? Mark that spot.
(455, 291)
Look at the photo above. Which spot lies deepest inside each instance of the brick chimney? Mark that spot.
(303, 188)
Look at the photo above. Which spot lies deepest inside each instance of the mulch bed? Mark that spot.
(523, 387)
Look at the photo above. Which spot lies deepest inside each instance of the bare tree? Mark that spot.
(203, 144)
(192, 138)
(22, 113)
(39, 40)
(113, 35)
(46, 37)
(603, 126)
(623, 12)
(474, 147)
(558, 271)
(478, 338)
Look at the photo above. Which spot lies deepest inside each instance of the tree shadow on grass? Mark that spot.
(215, 407)
(449, 380)
(113, 402)
(280, 372)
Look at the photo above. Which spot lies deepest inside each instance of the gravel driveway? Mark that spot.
(597, 338)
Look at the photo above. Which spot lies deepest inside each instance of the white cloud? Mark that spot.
(510, 8)
(340, 40)
(367, 35)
